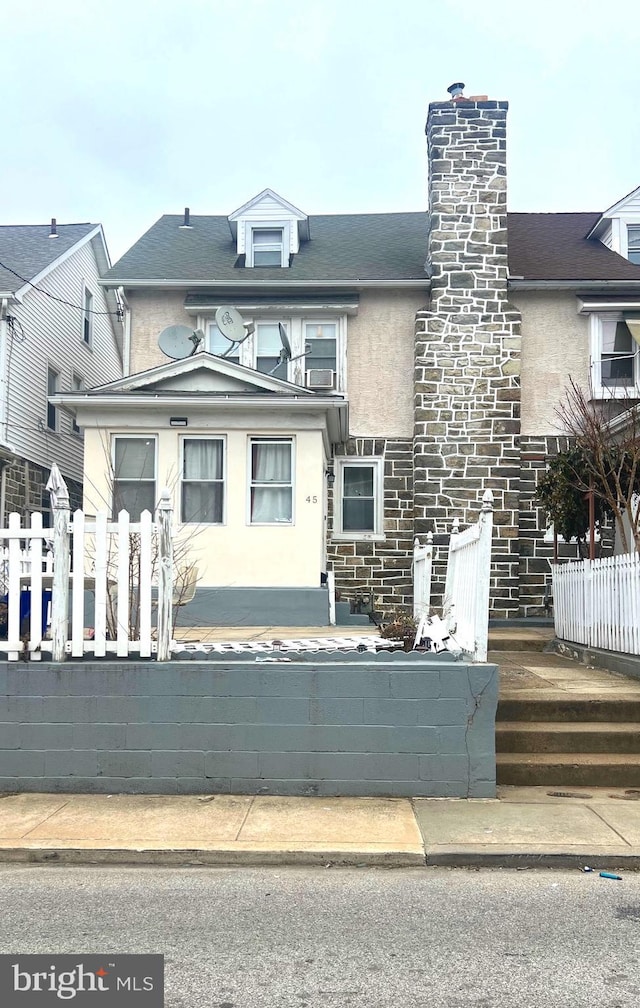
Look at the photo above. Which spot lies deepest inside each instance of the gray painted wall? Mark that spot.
(329, 724)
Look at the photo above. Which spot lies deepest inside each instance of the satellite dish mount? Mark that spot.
(285, 349)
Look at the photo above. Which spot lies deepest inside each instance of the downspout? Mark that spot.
(126, 337)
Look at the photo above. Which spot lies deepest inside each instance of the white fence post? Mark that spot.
(483, 575)
(422, 569)
(165, 576)
(60, 597)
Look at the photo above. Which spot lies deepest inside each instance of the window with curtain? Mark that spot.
(203, 480)
(134, 475)
(271, 490)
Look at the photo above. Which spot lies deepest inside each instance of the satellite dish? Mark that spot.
(229, 322)
(179, 341)
(285, 353)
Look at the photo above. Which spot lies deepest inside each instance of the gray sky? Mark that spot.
(121, 111)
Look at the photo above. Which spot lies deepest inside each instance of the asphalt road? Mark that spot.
(302, 938)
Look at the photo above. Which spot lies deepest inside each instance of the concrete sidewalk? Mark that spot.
(524, 827)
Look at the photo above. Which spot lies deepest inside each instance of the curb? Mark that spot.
(211, 858)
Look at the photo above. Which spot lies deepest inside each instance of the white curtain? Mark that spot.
(202, 481)
(271, 464)
(202, 460)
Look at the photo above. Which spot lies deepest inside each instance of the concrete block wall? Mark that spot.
(327, 724)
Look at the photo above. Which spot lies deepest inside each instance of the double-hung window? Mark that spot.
(267, 247)
(615, 355)
(268, 348)
(202, 481)
(320, 343)
(271, 481)
(358, 510)
(134, 475)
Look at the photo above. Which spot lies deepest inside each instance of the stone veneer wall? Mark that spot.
(25, 484)
(382, 568)
(467, 389)
(535, 553)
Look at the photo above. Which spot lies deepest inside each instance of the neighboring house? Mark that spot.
(59, 332)
(449, 337)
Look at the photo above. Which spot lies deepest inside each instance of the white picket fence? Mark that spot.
(597, 602)
(127, 566)
(422, 568)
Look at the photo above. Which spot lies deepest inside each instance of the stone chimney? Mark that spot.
(467, 347)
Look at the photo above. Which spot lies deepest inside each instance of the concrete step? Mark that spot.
(569, 769)
(620, 708)
(561, 737)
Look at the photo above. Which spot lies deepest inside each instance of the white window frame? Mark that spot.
(271, 439)
(377, 534)
(295, 327)
(88, 301)
(635, 226)
(284, 227)
(124, 436)
(601, 391)
(223, 480)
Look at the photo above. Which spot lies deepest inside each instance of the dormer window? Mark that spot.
(633, 243)
(268, 230)
(267, 247)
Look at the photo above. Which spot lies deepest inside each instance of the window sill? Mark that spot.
(625, 392)
(358, 537)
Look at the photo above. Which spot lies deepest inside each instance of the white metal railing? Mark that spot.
(127, 566)
(597, 602)
(422, 568)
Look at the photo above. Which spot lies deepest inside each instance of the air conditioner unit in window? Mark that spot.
(320, 378)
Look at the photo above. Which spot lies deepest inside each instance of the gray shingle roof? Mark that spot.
(27, 249)
(342, 247)
(353, 247)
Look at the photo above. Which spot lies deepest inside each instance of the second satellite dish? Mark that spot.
(285, 353)
(179, 341)
(229, 322)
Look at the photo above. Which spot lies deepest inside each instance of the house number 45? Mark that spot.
(311, 500)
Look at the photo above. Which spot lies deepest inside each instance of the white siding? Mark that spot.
(53, 338)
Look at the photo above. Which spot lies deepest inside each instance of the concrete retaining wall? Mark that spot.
(328, 724)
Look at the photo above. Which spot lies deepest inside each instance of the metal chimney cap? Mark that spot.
(455, 90)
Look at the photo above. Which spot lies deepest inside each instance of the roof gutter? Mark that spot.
(352, 284)
(521, 284)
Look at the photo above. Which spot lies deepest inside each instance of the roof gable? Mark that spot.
(203, 372)
(27, 252)
(269, 200)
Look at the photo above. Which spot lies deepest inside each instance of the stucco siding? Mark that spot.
(555, 347)
(151, 312)
(380, 349)
(236, 553)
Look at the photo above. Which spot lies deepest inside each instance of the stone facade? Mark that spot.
(25, 489)
(467, 347)
(380, 569)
